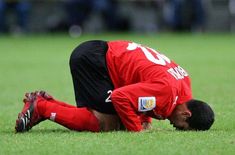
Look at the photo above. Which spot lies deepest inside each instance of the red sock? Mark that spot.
(62, 103)
(79, 119)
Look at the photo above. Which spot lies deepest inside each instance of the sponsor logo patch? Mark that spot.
(146, 103)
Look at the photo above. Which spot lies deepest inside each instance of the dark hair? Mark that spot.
(202, 115)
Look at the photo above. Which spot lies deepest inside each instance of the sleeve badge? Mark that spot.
(146, 103)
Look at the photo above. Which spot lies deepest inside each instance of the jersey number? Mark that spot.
(151, 54)
(108, 99)
(160, 59)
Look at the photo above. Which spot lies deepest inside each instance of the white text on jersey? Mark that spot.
(178, 72)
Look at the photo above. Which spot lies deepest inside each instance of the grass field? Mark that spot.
(41, 62)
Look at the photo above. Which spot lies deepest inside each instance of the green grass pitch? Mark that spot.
(31, 63)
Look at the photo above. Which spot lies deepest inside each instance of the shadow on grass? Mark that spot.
(66, 131)
(37, 131)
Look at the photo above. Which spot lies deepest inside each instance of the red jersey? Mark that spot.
(146, 82)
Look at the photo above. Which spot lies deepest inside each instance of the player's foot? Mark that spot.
(29, 116)
(41, 93)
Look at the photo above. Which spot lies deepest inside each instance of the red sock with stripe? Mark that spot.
(79, 119)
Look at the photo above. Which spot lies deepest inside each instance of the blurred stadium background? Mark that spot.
(30, 61)
(95, 16)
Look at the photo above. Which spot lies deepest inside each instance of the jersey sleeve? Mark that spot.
(133, 101)
(126, 112)
(145, 118)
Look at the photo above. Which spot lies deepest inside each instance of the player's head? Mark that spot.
(202, 115)
(192, 115)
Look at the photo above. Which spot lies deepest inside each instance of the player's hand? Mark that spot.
(146, 125)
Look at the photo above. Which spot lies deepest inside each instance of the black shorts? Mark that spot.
(92, 84)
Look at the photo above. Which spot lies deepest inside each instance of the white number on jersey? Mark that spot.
(160, 59)
(108, 99)
(157, 58)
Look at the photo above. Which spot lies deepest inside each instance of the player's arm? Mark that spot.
(126, 111)
(133, 100)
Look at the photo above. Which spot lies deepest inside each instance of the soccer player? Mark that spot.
(120, 85)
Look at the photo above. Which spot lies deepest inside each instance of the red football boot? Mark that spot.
(29, 115)
(44, 95)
